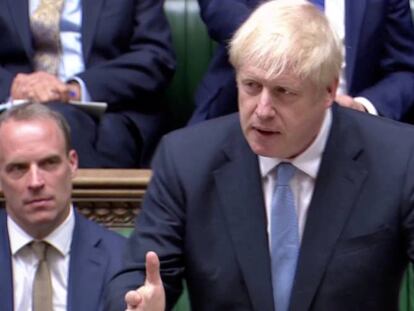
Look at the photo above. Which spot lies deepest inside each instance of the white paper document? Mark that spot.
(95, 109)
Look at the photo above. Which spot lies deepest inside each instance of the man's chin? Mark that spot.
(43, 217)
(270, 151)
(264, 151)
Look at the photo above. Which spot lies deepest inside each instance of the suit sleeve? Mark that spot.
(6, 80)
(159, 228)
(141, 67)
(222, 18)
(393, 93)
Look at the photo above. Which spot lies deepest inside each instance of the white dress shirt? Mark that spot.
(25, 262)
(303, 181)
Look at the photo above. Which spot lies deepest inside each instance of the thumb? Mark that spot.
(152, 269)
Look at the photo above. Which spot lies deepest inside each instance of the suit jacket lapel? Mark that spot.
(6, 284)
(241, 198)
(339, 181)
(86, 268)
(354, 16)
(91, 10)
(19, 10)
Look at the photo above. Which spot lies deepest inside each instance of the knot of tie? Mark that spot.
(40, 249)
(284, 173)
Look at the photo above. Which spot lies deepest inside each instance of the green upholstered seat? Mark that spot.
(407, 291)
(193, 49)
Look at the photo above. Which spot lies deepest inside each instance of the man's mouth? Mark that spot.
(266, 132)
(38, 201)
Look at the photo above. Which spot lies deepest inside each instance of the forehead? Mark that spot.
(30, 138)
(287, 77)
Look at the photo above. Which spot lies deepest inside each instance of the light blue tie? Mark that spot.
(319, 3)
(284, 237)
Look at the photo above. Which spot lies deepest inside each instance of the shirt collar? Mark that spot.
(60, 238)
(309, 160)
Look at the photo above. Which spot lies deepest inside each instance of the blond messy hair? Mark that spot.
(288, 36)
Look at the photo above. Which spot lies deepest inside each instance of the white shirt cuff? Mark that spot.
(85, 96)
(367, 105)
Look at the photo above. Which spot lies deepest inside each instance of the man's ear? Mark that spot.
(73, 161)
(331, 92)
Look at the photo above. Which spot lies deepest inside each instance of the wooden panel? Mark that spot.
(111, 197)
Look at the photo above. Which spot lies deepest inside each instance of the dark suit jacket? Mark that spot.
(95, 255)
(127, 53)
(204, 215)
(379, 55)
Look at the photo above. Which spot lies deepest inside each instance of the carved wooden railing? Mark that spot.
(111, 197)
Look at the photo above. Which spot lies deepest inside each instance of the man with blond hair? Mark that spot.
(294, 203)
(377, 70)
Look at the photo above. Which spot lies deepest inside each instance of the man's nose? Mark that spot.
(36, 178)
(265, 108)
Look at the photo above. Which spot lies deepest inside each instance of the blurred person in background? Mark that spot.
(118, 52)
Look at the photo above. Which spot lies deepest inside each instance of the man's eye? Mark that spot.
(18, 167)
(49, 164)
(16, 170)
(251, 86)
(284, 91)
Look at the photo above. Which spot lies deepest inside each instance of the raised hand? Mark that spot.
(150, 296)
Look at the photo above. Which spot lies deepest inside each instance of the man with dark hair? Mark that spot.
(51, 257)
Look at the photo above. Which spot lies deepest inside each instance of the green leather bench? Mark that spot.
(193, 49)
